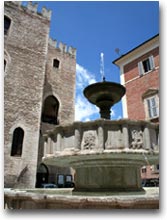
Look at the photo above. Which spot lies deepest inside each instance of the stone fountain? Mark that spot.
(106, 155)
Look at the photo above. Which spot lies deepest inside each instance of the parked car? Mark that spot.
(150, 183)
(69, 185)
(49, 185)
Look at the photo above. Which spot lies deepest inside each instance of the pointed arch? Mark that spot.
(50, 110)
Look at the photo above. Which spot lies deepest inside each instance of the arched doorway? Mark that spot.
(50, 110)
(42, 175)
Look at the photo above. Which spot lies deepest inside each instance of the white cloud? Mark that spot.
(84, 110)
(83, 77)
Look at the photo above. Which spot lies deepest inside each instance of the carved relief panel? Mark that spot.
(89, 140)
(136, 138)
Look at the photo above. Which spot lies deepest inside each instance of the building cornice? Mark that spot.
(138, 51)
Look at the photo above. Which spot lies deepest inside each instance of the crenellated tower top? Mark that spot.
(63, 47)
(33, 7)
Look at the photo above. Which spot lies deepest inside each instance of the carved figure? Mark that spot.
(137, 140)
(89, 141)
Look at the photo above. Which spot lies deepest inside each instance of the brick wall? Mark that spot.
(149, 172)
(136, 86)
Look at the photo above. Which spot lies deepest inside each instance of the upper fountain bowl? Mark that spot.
(104, 95)
(104, 91)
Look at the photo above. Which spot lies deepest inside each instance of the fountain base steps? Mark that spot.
(67, 199)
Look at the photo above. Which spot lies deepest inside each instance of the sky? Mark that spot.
(95, 27)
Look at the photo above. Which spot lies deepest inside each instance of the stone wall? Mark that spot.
(59, 82)
(26, 45)
(61, 77)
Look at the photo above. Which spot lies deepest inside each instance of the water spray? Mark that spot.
(102, 66)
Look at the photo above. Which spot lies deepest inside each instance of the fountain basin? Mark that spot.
(104, 95)
(106, 155)
(104, 171)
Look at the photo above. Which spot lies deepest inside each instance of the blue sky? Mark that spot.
(100, 26)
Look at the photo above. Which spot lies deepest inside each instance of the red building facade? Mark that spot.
(139, 73)
(139, 70)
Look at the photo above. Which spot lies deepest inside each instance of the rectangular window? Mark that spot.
(56, 63)
(146, 65)
(143, 170)
(153, 110)
(60, 180)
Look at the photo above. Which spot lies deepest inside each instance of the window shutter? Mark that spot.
(153, 109)
(149, 108)
(152, 64)
(140, 67)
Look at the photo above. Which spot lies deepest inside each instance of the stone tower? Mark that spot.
(39, 87)
(58, 102)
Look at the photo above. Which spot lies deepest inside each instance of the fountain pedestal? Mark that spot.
(104, 107)
(107, 179)
(105, 175)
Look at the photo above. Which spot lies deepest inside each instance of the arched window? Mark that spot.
(7, 23)
(56, 63)
(17, 142)
(50, 110)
